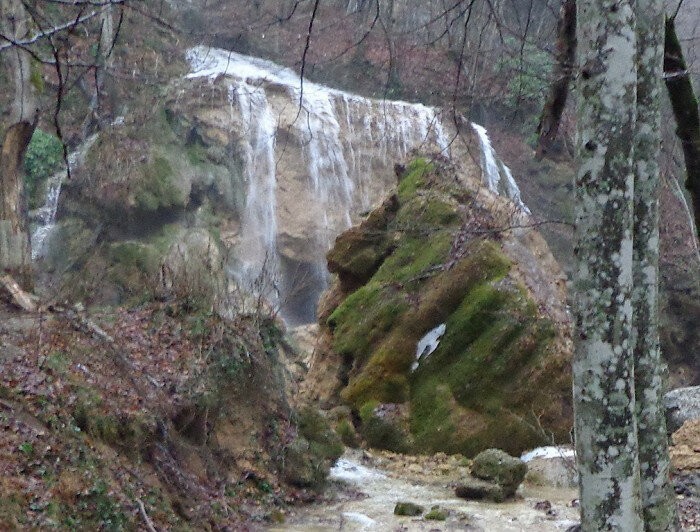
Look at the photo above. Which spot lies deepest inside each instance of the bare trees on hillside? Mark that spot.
(32, 35)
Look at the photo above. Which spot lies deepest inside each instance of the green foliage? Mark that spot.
(309, 456)
(98, 505)
(26, 448)
(347, 434)
(44, 157)
(527, 69)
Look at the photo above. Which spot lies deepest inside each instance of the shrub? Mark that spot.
(44, 157)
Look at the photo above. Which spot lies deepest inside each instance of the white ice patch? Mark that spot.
(548, 452)
(352, 472)
(428, 344)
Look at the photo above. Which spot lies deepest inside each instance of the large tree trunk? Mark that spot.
(550, 119)
(604, 398)
(15, 252)
(685, 110)
(658, 498)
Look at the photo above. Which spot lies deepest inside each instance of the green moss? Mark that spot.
(414, 178)
(36, 77)
(363, 318)
(196, 154)
(381, 433)
(437, 514)
(156, 189)
(384, 376)
(346, 433)
(408, 508)
(413, 257)
(432, 425)
(475, 390)
(490, 339)
(309, 456)
(427, 212)
(314, 427)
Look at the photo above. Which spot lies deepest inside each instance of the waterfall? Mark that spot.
(341, 139)
(497, 176)
(45, 216)
(259, 262)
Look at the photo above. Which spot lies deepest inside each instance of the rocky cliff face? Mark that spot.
(446, 330)
(248, 174)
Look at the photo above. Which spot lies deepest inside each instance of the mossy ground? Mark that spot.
(483, 384)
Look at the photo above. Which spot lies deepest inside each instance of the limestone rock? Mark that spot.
(685, 451)
(682, 404)
(504, 355)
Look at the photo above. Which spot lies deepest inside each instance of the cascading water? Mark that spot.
(341, 137)
(256, 250)
(497, 176)
(342, 140)
(45, 216)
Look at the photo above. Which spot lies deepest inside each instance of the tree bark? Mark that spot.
(658, 498)
(685, 110)
(603, 371)
(15, 251)
(550, 119)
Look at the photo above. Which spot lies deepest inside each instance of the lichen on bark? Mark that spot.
(604, 402)
(658, 500)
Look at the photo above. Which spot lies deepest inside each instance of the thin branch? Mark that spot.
(10, 43)
(144, 515)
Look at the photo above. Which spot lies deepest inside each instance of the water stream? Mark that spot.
(45, 216)
(363, 493)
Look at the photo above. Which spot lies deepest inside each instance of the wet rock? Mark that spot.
(499, 467)
(545, 506)
(437, 514)
(408, 508)
(476, 489)
(551, 466)
(682, 404)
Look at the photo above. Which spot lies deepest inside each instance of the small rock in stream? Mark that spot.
(498, 466)
(437, 514)
(407, 508)
(477, 490)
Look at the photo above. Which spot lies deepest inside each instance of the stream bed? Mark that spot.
(364, 489)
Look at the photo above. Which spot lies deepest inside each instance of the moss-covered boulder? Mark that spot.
(408, 508)
(440, 320)
(359, 251)
(498, 466)
(310, 455)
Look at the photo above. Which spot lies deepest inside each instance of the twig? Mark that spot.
(146, 519)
